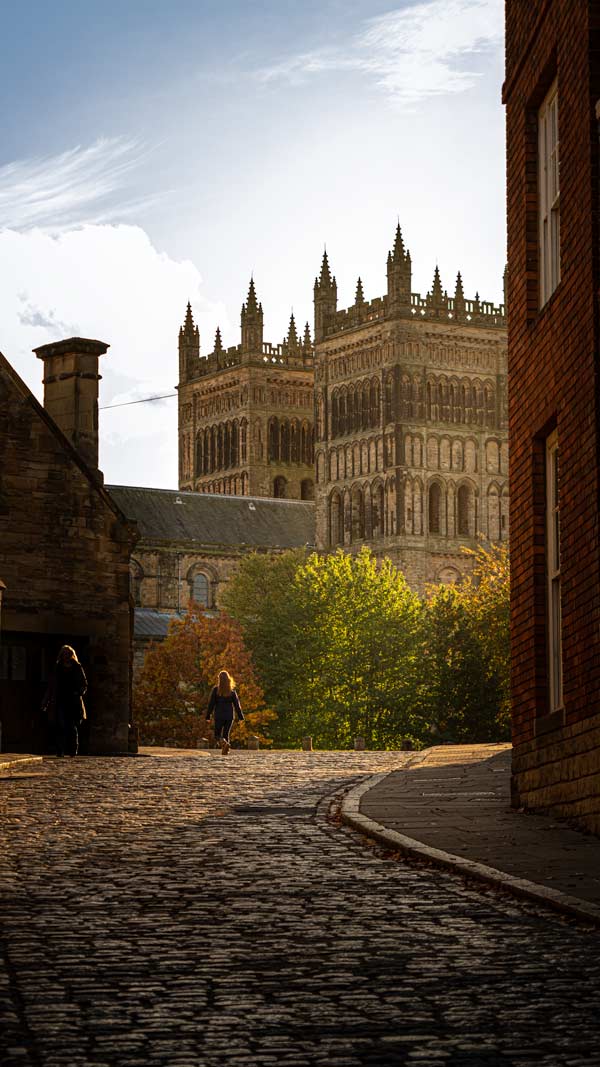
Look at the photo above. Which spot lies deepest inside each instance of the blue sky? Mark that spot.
(154, 153)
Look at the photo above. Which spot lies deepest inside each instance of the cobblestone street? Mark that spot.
(196, 910)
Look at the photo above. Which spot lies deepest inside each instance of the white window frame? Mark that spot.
(549, 194)
(553, 576)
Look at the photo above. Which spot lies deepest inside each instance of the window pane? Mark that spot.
(200, 590)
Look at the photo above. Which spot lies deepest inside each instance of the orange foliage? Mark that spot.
(172, 692)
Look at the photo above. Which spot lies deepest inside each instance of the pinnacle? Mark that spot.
(292, 337)
(436, 288)
(251, 302)
(325, 278)
(360, 296)
(218, 341)
(307, 339)
(459, 293)
(188, 325)
(399, 251)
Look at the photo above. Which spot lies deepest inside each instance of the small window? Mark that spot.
(200, 590)
(435, 500)
(464, 508)
(553, 591)
(549, 195)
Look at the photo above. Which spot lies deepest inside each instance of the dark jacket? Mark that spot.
(64, 694)
(223, 707)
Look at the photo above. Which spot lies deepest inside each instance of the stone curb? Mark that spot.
(521, 887)
(13, 763)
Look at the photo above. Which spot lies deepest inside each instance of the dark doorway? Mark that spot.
(26, 660)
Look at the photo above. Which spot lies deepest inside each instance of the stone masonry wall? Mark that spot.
(64, 557)
(437, 416)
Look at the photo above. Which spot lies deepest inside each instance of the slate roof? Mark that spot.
(150, 623)
(209, 519)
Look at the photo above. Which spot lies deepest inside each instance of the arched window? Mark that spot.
(358, 515)
(244, 439)
(342, 414)
(227, 445)
(374, 403)
(366, 393)
(296, 442)
(464, 509)
(201, 590)
(307, 489)
(336, 519)
(334, 414)
(435, 508)
(377, 512)
(235, 443)
(280, 487)
(274, 439)
(285, 441)
(220, 448)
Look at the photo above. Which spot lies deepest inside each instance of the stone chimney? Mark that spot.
(71, 391)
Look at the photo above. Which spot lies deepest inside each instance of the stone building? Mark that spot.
(191, 544)
(411, 446)
(552, 97)
(246, 412)
(65, 549)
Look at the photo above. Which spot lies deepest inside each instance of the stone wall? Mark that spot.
(412, 443)
(64, 557)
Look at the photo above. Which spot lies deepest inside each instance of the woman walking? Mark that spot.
(224, 702)
(64, 701)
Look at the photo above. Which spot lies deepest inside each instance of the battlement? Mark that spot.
(439, 309)
(276, 354)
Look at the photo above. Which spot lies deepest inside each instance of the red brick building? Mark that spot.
(552, 97)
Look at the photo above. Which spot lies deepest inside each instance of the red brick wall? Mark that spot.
(552, 364)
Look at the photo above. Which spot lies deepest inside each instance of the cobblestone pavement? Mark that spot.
(201, 910)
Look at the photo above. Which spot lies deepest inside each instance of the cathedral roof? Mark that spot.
(208, 519)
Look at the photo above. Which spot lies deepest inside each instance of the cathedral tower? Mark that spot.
(246, 412)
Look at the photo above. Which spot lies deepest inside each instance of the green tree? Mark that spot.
(335, 640)
(262, 597)
(467, 652)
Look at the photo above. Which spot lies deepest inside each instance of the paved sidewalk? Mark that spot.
(451, 806)
(17, 761)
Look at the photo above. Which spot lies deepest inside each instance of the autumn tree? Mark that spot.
(172, 691)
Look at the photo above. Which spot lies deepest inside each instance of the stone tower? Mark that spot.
(411, 422)
(246, 412)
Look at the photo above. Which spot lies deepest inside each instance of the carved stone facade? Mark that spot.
(409, 400)
(246, 413)
(411, 451)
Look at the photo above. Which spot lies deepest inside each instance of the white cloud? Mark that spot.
(412, 54)
(75, 186)
(65, 271)
(111, 283)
